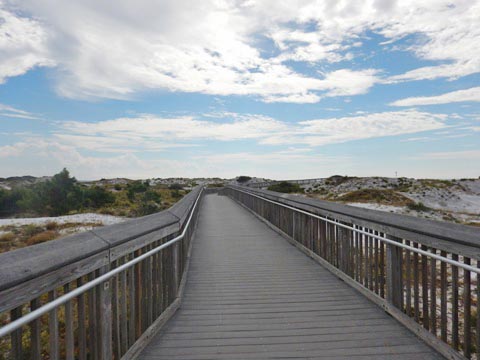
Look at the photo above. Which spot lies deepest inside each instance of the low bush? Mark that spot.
(286, 187)
(7, 237)
(419, 206)
(52, 225)
(32, 229)
(378, 196)
(42, 237)
(176, 187)
(243, 179)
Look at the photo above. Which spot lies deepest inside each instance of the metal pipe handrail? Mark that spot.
(24, 320)
(381, 238)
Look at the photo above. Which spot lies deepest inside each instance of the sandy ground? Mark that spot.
(78, 218)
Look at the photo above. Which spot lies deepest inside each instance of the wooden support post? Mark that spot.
(105, 317)
(175, 269)
(394, 274)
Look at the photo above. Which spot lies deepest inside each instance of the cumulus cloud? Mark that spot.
(22, 45)
(472, 94)
(218, 46)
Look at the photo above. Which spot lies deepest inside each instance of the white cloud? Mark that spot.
(22, 45)
(338, 130)
(472, 94)
(216, 46)
(153, 133)
(452, 155)
(11, 112)
(46, 157)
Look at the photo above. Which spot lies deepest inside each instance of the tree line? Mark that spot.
(54, 197)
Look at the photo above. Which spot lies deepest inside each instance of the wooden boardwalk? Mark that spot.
(251, 295)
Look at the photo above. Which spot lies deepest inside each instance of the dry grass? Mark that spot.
(7, 237)
(42, 237)
(384, 197)
(52, 225)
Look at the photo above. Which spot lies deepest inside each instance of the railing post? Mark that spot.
(394, 274)
(175, 268)
(105, 317)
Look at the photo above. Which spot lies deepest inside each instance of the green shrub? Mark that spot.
(243, 179)
(419, 206)
(176, 187)
(176, 194)
(286, 187)
(379, 196)
(31, 229)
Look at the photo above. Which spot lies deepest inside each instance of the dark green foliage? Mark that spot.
(150, 202)
(96, 197)
(418, 207)
(57, 196)
(243, 179)
(286, 187)
(176, 194)
(151, 195)
(136, 187)
(9, 200)
(175, 187)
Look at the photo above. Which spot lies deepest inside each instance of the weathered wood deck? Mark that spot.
(251, 295)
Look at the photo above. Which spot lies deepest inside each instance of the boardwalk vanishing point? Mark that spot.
(242, 273)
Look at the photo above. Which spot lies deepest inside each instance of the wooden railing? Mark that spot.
(422, 272)
(114, 319)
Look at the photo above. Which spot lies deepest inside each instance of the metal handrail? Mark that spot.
(381, 238)
(24, 320)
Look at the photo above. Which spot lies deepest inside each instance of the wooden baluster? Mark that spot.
(82, 331)
(467, 315)
(53, 329)
(443, 297)
(455, 339)
(148, 283)
(138, 297)
(123, 311)
(426, 322)
(115, 314)
(92, 321)
(408, 281)
(16, 336)
(394, 274)
(69, 319)
(416, 290)
(433, 294)
(131, 304)
(35, 330)
(382, 269)
(104, 313)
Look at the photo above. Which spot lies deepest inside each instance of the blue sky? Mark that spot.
(292, 89)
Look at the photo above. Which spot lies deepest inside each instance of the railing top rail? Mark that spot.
(382, 238)
(35, 314)
(394, 224)
(21, 265)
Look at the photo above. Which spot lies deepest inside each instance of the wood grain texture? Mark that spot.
(251, 295)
